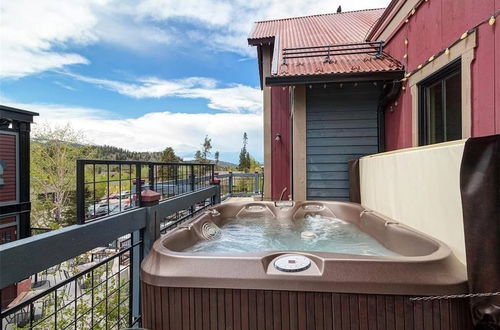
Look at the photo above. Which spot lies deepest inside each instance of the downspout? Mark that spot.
(389, 93)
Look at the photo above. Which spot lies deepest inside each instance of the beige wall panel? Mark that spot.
(420, 188)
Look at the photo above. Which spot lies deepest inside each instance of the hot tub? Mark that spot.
(192, 278)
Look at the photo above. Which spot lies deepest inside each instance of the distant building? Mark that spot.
(14, 181)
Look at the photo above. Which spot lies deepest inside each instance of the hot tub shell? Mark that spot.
(425, 267)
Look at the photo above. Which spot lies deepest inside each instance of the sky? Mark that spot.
(144, 74)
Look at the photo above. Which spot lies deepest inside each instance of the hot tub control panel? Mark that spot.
(292, 263)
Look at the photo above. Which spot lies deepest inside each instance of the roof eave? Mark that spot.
(383, 21)
(11, 113)
(260, 41)
(334, 77)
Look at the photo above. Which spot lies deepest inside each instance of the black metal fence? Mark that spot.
(240, 184)
(107, 187)
(82, 281)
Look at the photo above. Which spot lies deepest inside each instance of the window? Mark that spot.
(440, 113)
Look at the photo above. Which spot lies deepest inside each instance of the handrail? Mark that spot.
(23, 258)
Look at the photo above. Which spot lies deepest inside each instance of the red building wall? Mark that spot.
(280, 150)
(433, 27)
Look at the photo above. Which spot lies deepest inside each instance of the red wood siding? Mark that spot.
(280, 150)
(8, 155)
(433, 27)
(196, 308)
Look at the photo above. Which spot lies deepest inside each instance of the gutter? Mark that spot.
(335, 77)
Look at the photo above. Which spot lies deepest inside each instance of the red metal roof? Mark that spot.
(321, 30)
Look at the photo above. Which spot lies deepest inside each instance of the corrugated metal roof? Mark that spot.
(321, 30)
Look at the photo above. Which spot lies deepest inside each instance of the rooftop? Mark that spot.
(323, 30)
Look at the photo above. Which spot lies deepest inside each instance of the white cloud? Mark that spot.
(157, 130)
(232, 98)
(225, 25)
(36, 35)
(32, 29)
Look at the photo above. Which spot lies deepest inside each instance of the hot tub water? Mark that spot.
(312, 233)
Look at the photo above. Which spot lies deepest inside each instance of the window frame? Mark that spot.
(451, 69)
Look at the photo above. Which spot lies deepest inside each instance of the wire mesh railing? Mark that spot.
(107, 187)
(82, 293)
(96, 288)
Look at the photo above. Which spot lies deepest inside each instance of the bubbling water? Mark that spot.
(312, 233)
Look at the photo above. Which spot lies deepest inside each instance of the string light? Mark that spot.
(491, 21)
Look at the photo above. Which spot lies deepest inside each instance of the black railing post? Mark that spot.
(151, 174)
(192, 177)
(176, 175)
(380, 45)
(134, 284)
(256, 183)
(138, 184)
(80, 191)
(230, 184)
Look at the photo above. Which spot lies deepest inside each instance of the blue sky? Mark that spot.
(144, 75)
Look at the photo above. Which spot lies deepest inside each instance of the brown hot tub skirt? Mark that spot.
(203, 308)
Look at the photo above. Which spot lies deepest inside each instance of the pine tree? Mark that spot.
(216, 156)
(244, 163)
(168, 156)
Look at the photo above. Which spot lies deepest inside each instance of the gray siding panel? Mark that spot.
(341, 125)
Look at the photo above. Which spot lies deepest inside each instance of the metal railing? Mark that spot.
(240, 184)
(101, 293)
(107, 187)
(328, 51)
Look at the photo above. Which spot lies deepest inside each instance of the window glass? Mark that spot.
(441, 106)
(435, 113)
(453, 108)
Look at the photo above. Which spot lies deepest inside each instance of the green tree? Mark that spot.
(244, 159)
(206, 147)
(216, 156)
(201, 156)
(198, 157)
(54, 151)
(168, 156)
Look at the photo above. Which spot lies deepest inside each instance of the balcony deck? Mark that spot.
(87, 275)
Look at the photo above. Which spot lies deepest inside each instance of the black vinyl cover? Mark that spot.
(480, 190)
(354, 181)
